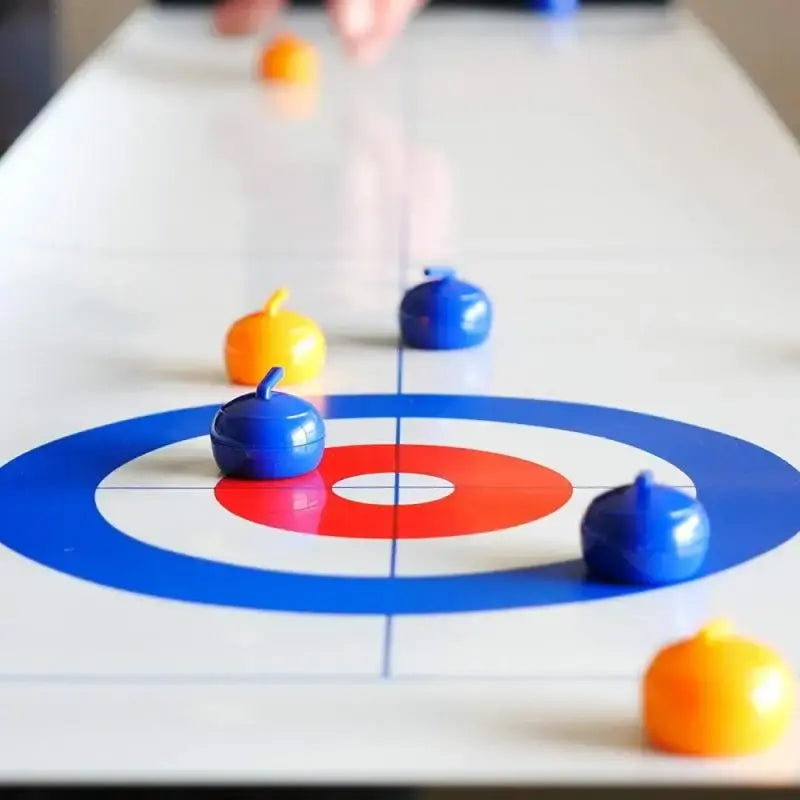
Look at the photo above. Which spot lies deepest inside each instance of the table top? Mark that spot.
(629, 200)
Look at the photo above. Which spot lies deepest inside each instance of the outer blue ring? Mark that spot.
(49, 514)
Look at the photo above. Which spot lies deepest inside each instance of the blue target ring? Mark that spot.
(49, 513)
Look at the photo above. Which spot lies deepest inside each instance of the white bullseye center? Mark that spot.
(378, 488)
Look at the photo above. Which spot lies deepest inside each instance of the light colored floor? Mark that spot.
(761, 34)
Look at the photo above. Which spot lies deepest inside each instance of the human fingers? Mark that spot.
(367, 27)
(243, 17)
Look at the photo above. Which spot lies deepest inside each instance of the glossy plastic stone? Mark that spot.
(445, 313)
(274, 337)
(267, 435)
(289, 59)
(717, 694)
(645, 534)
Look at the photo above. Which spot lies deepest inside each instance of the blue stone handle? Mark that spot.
(442, 273)
(270, 381)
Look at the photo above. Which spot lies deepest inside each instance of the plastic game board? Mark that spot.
(417, 612)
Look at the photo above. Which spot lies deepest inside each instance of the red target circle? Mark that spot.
(491, 492)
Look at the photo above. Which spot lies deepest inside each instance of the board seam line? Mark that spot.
(386, 666)
(232, 679)
(403, 257)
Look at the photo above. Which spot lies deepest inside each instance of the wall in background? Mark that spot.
(763, 35)
(82, 26)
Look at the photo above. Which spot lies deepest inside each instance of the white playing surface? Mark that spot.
(631, 206)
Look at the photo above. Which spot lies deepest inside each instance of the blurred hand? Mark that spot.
(366, 27)
(243, 17)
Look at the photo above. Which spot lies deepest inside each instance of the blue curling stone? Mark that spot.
(267, 435)
(555, 7)
(644, 534)
(444, 313)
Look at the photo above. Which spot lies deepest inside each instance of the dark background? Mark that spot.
(26, 64)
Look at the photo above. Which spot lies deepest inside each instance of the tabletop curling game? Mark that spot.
(443, 433)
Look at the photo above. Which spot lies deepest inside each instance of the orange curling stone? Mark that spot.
(274, 337)
(289, 60)
(717, 694)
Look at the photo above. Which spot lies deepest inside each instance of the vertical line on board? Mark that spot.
(403, 256)
(386, 669)
(398, 422)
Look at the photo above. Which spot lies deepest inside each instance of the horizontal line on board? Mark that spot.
(233, 680)
(183, 254)
(470, 252)
(356, 486)
(275, 489)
